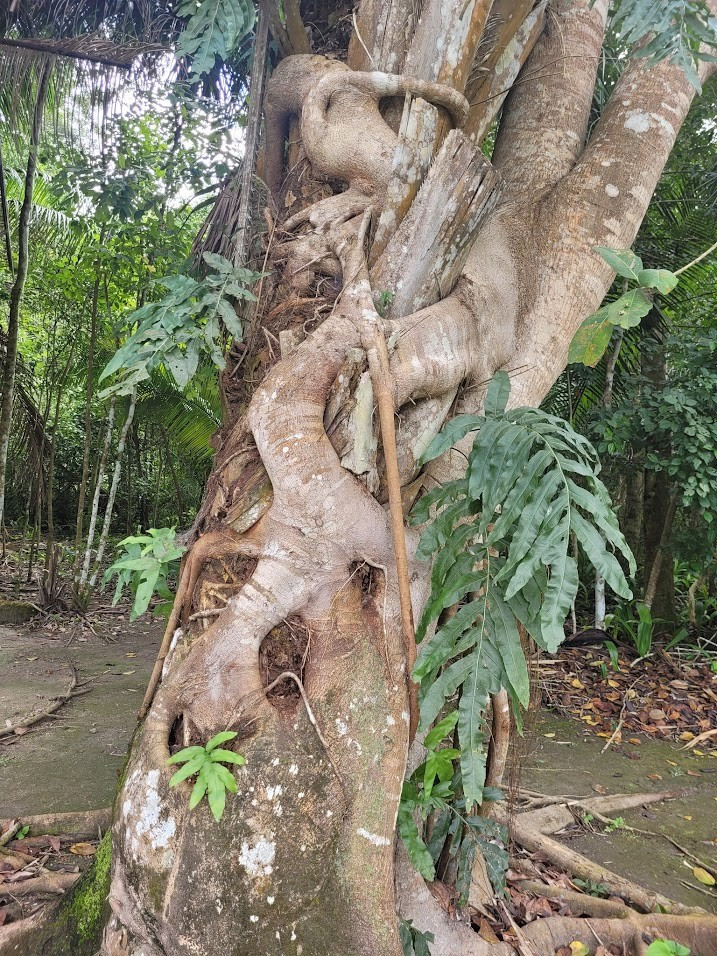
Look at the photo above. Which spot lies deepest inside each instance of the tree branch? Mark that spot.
(545, 120)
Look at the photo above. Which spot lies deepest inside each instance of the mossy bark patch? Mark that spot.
(75, 926)
(16, 612)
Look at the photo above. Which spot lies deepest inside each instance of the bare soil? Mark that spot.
(71, 760)
(565, 759)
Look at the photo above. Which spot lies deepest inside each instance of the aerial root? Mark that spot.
(380, 85)
(222, 542)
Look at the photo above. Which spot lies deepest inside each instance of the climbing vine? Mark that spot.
(500, 539)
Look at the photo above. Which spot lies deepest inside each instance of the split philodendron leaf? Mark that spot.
(206, 763)
(500, 542)
(214, 30)
(593, 336)
(185, 323)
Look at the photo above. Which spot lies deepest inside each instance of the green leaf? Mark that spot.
(220, 738)
(604, 562)
(442, 729)
(189, 769)
(451, 433)
(660, 279)
(592, 338)
(666, 947)
(504, 633)
(497, 396)
(416, 848)
(559, 596)
(200, 788)
(466, 857)
(629, 308)
(187, 754)
(226, 777)
(623, 261)
(227, 756)
(217, 262)
(482, 677)
(216, 794)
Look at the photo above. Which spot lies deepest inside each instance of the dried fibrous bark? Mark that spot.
(303, 860)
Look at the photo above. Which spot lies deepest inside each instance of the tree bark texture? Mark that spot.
(294, 532)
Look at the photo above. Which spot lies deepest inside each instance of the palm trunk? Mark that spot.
(5, 216)
(51, 459)
(88, 423)
(109, 508)
(661, 552)
(175, 478)
(607, 405)
(82, 579)
(18, 288)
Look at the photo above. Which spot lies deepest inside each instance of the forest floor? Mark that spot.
(562, 759)
(71, 760)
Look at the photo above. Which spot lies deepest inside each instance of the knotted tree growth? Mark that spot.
(425, 268)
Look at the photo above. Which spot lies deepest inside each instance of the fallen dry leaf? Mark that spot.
(703, 876)
(485, 931)
(654, 776)
(83, 849)
(579, 949)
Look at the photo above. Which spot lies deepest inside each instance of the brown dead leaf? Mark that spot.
(654, 776)
(485, 931)
(635, 741)
(598, 788)
(83, 849)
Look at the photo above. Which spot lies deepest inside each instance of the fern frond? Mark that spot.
(502, 534)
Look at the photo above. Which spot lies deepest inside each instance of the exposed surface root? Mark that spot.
(19, 726)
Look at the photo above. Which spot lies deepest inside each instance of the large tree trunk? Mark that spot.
(488, 267)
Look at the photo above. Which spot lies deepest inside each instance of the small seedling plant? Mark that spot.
(145, 563)
(206, 763)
